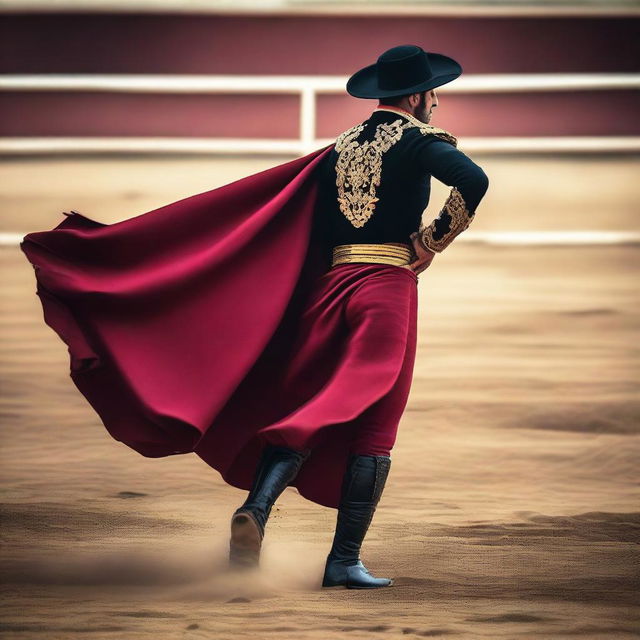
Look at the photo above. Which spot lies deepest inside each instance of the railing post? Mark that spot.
(307, 119)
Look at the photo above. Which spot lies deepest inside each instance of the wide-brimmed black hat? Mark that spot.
(405, 69)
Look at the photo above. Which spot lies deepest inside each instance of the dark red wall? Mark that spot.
(129, 43)
(187, 44)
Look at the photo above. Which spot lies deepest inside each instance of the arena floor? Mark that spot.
(511, 509)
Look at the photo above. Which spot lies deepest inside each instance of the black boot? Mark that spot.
(277, 468)
(362, 487)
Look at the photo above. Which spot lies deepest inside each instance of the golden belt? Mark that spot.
(397, 253)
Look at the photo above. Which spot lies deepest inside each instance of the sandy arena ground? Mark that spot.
(511, 509)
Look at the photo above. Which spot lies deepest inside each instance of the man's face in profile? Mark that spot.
(428, 100)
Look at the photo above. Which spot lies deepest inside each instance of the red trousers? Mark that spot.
(338, 384)
(353, 360)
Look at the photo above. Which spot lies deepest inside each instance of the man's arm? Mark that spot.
(452, 167)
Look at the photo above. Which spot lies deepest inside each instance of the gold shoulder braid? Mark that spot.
(453, 219)
(425, 129)
(359, 164)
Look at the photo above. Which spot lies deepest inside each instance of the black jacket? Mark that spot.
(375, 184)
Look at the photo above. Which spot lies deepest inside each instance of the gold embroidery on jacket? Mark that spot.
(428, 130)
(453, 219)
(359, 167)
(425, 128)
(359, 164)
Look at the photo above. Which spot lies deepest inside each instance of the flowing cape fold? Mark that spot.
(164, 314)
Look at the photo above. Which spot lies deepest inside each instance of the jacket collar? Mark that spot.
(424, 127)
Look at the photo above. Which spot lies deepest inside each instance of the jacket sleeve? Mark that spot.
(469, 183)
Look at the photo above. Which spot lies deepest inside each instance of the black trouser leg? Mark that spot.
(362, 487)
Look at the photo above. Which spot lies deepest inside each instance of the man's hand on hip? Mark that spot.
(424, 255)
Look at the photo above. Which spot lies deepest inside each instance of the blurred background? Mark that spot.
(512, 506)
(114, 95)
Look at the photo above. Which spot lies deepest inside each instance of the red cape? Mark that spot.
(177, 319)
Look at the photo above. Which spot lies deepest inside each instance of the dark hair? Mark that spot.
(394, 101)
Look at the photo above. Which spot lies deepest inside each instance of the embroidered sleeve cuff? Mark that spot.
(453, 219)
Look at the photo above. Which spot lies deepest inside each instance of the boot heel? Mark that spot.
(277, 468)
(246, 540)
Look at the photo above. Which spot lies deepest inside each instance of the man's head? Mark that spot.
(418, 104)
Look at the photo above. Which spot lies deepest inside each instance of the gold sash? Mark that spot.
(396, 253)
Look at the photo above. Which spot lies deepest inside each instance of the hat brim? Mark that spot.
(364, 83)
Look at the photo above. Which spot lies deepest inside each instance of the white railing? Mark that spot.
(395, 8)
(506, 238)
(277, 147)
(307, 88)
